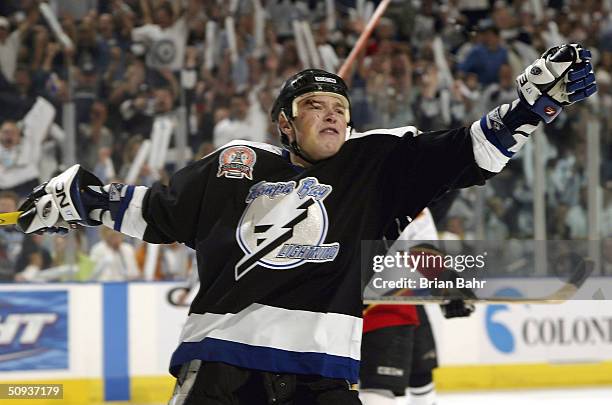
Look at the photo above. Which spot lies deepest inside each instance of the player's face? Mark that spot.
(320, 127)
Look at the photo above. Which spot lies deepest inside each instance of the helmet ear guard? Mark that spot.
(283, 137)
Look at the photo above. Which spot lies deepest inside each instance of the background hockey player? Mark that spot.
(277, 232)
(398, 350)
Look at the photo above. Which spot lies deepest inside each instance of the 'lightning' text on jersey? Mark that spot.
(284, 226)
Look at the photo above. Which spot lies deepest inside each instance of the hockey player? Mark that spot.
(278, 315)
(398, 350)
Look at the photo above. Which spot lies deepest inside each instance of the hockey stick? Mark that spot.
(344, 69)
(9, 218)
(567, 291)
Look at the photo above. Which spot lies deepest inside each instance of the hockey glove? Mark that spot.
(456, 308)
(62, 203)
(41, 214)
(560, 77)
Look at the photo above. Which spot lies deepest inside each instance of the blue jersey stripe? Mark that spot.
(492, 137)
(266, 359)
(125, 202)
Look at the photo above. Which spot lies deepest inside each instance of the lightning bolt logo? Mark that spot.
(275, 228)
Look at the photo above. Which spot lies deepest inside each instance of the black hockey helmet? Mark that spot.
(306, 82)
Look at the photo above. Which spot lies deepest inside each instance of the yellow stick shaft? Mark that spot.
(9, 218)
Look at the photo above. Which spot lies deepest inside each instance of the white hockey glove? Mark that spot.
(560, 77)
(41, 215)
(62, 203)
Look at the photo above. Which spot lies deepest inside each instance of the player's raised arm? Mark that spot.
(160, 214)
(560, 77)
(434, 162)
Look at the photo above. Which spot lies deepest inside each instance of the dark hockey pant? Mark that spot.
(222, 384)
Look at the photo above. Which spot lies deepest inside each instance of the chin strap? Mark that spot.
(295, 149)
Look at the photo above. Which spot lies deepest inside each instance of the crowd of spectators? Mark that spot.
(137, 64)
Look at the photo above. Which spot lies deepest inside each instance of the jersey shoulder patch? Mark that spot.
(237, 162)
(237, 158)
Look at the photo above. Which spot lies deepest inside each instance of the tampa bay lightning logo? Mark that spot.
(284, 225)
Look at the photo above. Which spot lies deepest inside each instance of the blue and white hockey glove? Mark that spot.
(77, 197)
(560, 77)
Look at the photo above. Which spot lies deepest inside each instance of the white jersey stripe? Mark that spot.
(278, 328)
(486, 154)
(133, 223)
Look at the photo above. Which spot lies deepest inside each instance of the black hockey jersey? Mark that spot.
(278, 246)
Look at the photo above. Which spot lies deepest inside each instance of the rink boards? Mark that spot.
(113, 342)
